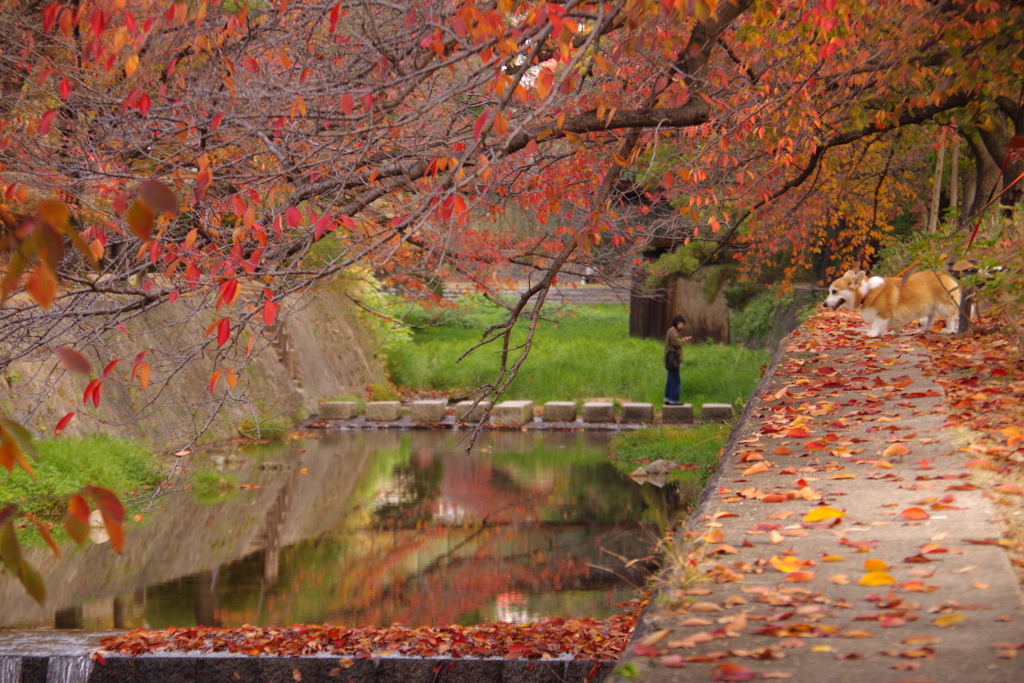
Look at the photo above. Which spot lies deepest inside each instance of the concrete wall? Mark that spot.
(318, 353)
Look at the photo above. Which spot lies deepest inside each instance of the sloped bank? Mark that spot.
(319, 352)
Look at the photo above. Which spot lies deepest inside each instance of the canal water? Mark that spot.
(372, 528)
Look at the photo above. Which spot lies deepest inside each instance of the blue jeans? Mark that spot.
(673, 386)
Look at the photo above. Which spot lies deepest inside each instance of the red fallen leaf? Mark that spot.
(914, 513)
(733, 672)
(671, 661)
(1012, 488)
(797, 433)
(639, 651)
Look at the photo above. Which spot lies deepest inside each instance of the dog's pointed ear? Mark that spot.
(858, 277)
(849, 273)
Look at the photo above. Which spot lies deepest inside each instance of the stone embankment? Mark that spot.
(517, 414)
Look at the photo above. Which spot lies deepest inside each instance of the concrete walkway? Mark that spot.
(842, 538)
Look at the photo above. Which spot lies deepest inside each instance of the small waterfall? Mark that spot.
(10, 669)
(68, 669)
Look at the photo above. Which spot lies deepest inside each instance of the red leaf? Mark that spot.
(110, 366)
(46, 120)
(733, 672)
(65, 89)
(64, 421)
(112, 510)
(293, 216)
(50, 13)
(346, 104)
(138, 361)
(73, 360)
(334, 15)
(269, 312)
(215, 123)
(223, 331)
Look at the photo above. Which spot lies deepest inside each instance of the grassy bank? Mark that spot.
(578, 353)
(698, 445)
(65, 465)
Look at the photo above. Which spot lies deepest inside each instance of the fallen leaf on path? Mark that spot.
(873, 579)
(822, 512)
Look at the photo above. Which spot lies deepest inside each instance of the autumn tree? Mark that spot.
(229, 155)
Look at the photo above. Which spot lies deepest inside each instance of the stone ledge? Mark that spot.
(560, 411)
(638, 412)
(383, 411)
(512, 413)
(716, 412)
(428, 411)
(227, 668)
(465, 412)
(338, 410)
(677, 414)
(598, 411)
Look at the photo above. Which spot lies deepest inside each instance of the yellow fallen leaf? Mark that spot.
(950, 619)
(873, 579)
(786, 564)
(875, 566)
(833, 558)
(883, 465)
(822, 512)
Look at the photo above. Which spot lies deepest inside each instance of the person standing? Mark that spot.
(673, 359)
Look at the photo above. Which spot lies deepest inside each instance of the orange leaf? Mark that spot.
(800, 576)
(874, 579)
(914, 513)
(213, 379)
(875, 566)
(756, 468)
(786, 564)
(895, 449)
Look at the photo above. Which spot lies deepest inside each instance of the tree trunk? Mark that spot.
(986, 176)
(933, 213)
(954, 174)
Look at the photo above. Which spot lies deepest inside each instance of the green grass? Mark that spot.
(65, 465)
(579, 353)
(696, 445)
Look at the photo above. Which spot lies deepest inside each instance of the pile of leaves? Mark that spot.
(586, 639)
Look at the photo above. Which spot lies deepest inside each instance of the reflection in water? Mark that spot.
(375, 528)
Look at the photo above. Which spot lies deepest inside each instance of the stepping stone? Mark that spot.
(338, 410)
(716, 412)
(428, 411)
(638, 412)
(677, 414)
(512, 412)
(560, 411)
(465, 412)
(598, 411)
(383, 411)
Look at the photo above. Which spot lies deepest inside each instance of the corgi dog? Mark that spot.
(886, 302)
